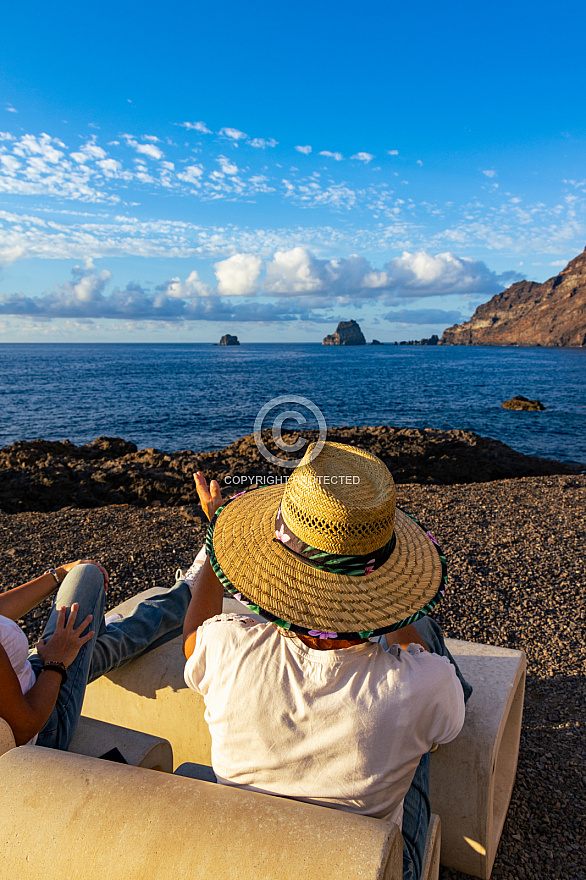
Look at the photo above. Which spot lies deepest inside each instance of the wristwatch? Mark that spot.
(55, 575)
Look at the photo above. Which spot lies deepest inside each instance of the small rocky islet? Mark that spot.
(515, 550)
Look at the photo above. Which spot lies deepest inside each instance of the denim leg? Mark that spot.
(152, 623)
(85, 585)
(416, 808)
(416, 815)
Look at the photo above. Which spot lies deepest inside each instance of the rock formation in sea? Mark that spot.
(528, 313)
(523, 403)
(229, 340)
(347, 333)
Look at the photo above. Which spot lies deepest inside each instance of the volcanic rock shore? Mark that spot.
(515, 550)
(48, 475)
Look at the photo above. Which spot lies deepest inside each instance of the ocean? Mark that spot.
(201, 396)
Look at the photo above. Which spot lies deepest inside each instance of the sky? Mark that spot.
(173, 173)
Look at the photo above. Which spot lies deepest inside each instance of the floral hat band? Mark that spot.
(334, 563)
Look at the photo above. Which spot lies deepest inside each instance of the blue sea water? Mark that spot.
(201, 396)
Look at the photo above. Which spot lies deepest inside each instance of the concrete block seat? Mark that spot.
(471, 778)
(66, 815)
(97, 738)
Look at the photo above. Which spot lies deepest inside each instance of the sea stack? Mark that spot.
(229, 340)
(347, 333)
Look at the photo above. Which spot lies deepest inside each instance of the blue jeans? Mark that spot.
(153, 622)
(416, 808)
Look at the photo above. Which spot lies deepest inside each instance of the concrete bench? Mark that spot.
(97, 738)
(66, 815)
(471, 779)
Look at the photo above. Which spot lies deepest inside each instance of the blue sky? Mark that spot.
(175, 173)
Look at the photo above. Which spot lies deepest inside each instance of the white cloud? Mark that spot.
(191, 288)
(11, 164)
(238, 275)
(88, 152)
(262, 143)
(6, 136)
(196, 126)
(306, 150)
(393, 152)
(489, 172)
(233, 133)
(227, 166)
(297, 272)
(423, 274)
(11, 109)
(11, 253)
(29, 145)
(293, 272)
(144, 149)
(337, 156)
(192, 174)
(363, 157)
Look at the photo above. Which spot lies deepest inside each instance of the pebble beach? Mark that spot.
(515, 550)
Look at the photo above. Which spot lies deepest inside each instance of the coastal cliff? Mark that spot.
(528, 313)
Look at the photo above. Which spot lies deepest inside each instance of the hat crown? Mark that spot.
(342, 501)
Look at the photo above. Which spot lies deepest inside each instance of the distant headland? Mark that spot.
(532, 314)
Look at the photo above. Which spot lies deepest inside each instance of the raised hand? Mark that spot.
(64, 644)
(210, 497)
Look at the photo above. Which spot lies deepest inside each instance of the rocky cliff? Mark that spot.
(528, 313)
(347, 333)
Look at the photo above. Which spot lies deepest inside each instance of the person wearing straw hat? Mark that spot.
(338, 696)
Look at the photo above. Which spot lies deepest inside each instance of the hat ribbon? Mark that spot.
(357, 565)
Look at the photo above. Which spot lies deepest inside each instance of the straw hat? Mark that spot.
(329, 554)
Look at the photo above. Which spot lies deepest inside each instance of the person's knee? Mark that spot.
(86, 578)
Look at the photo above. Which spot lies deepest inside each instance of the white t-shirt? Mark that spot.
(344, 728)
(15, 643)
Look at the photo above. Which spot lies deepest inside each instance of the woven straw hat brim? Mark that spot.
(283, 588)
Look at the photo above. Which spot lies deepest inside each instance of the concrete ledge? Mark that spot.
(431, 857)
(7, 740)
(95, 738)
(471, 778)
(110, 820)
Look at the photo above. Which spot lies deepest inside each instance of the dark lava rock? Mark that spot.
(347, 333)
(523, 403)
(376, 342)
(229, 340)
(47, 475)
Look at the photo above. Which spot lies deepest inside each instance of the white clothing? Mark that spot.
(15, 643)
(344, 728)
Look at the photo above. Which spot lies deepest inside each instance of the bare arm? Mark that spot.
(18, 601)
(27, 713)
(207, 593)
(206, 602)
